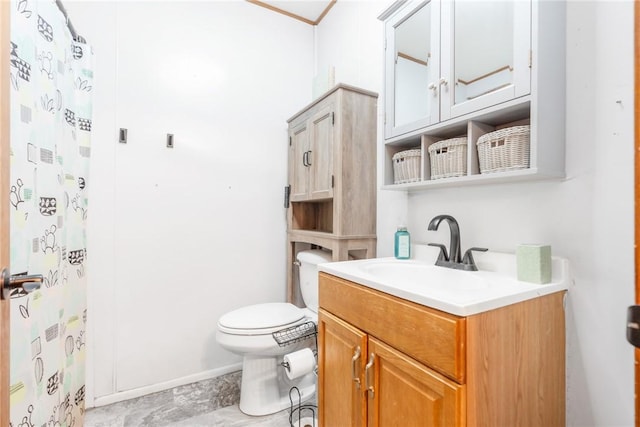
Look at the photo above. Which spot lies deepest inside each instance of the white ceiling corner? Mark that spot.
(309, 9)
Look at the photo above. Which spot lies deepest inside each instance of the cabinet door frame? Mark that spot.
(521, 63)
(391, 130)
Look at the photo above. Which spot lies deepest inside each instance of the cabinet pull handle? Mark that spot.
(443, 82)
(367, 370)
(304, 158)
(309, 158)
(433, 87)
(354, 367)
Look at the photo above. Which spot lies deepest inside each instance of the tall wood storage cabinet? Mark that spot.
(332, 178)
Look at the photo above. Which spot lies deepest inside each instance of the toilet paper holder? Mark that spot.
(299, 414)
(286, 366)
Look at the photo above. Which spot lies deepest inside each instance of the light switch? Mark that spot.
(122, 138)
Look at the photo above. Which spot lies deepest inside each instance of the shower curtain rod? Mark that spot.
(75, 35)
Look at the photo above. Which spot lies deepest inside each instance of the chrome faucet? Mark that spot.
(453, 259)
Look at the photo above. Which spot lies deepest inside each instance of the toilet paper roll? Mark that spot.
(300, 363)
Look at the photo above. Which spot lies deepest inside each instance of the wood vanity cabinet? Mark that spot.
(332, 178)
(385, 361)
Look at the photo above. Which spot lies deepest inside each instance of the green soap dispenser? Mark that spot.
(402, 243)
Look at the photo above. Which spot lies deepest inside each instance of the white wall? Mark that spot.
(588, 217)
(180, 236)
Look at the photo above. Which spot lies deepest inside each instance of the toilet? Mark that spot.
(248, 331)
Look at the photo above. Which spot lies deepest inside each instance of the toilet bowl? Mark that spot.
(248, 331)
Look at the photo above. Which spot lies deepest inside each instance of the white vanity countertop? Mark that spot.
(462, 293)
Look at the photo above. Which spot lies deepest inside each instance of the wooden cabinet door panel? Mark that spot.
(299, 178)
(321, 156)
(341, 400)
(407, 393)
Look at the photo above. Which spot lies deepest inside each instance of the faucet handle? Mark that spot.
(468, 256)
(443, 251)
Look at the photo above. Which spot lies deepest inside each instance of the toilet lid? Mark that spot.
(265, 318)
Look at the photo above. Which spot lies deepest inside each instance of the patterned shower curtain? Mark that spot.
(51, 87)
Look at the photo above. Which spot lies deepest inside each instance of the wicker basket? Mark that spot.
(504, 150)
(406, 166)
(448, 158)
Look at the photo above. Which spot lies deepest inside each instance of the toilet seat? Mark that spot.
(260, 319)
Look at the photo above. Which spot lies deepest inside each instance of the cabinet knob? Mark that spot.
(434, 88)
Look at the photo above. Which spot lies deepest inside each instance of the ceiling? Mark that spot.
(309, 11)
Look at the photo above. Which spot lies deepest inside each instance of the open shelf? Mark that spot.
(543, 163)
(312, 216)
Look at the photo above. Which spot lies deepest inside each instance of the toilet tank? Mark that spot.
(308, 275)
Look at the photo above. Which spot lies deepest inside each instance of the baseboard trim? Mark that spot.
(154, 388)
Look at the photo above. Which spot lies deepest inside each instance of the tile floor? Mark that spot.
(207, 403)
(229, 416)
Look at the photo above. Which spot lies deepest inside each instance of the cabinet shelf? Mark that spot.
(490, 178)
(312, 237)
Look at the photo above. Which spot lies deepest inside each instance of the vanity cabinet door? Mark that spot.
(342, 349)
(403, 392)
(486, 54)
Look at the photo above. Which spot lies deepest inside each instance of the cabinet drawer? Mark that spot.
(430, 336)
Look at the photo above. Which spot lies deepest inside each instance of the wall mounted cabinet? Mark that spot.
(386, 361)
(459, 68)
(332, 174)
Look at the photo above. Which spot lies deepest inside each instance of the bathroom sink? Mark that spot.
(419, 275)
(457, 292)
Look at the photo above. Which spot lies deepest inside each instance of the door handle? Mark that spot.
(354, 367)
(18, 285)
(367, 369)
(633, 325)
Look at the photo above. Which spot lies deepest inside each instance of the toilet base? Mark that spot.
(265, 388)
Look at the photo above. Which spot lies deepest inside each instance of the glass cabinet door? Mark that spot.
(412, 56)
(486, 47)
